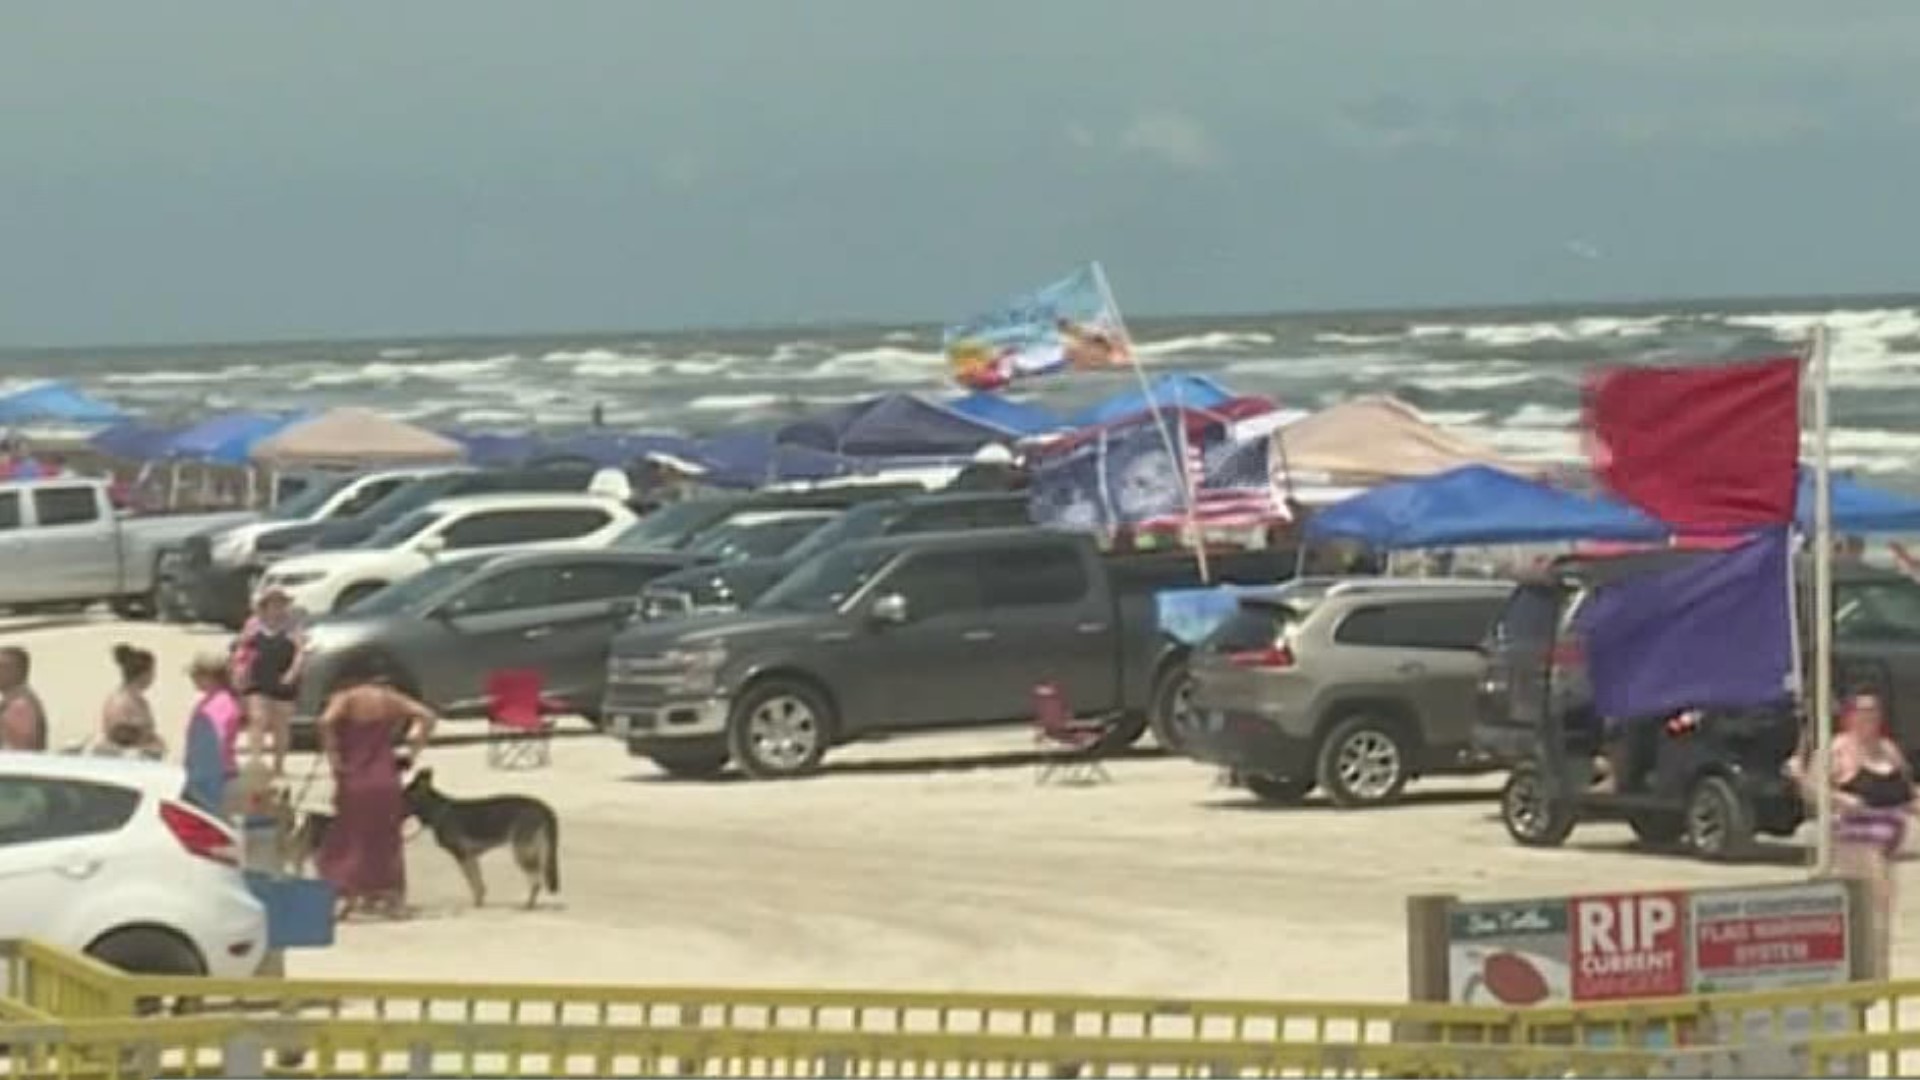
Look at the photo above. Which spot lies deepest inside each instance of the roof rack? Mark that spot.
(1367, 585)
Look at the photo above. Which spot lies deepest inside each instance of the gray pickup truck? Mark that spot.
(907, 633)
(64, 545)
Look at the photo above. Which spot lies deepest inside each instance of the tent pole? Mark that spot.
(1822, 610)
(1159, 421)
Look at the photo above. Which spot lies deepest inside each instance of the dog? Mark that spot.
(469, 828)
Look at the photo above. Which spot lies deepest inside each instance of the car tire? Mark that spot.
(1719, 824)
(1363, 761)
(690, 764)
(1279, 791)
(1533, 817)
(779, 729)
(355, 593)
(1656, 829)
(1125, 731)
(1170, 709)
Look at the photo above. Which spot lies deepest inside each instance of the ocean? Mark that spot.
(1510, 376)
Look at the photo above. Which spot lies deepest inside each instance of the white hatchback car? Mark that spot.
(106, 857)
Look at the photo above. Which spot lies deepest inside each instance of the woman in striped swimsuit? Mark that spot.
(1872, 800)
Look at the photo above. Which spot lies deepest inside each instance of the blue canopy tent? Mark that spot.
(493, 450)
(228, 439)
(1168, 391)
(750, 459)
(133, 441)
(1478, 505)
(56, 402)
(1018, 417)
(1858, 508)
(894, 425)
(616, 450)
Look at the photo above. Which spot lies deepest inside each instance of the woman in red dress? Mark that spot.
(363, 855)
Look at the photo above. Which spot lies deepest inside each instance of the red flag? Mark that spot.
(1710, 448)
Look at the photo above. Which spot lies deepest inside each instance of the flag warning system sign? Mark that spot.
(1758, 939)
(1629, 946)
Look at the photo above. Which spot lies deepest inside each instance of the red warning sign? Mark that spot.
(1629, 946)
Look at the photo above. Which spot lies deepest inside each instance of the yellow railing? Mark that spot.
(71, 1016)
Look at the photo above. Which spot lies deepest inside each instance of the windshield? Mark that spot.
(409, 497)
(824, 582)
(668, 527)
(860, 523)
(740, 541)
(399, 532)
(409, 592)
(302, 506)
(1879, 611)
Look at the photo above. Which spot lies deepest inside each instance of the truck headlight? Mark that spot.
(699, 667)
(230, 549)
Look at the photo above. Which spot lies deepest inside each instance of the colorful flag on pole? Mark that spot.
(1713, 448)
(1070, 324)
(1715, 632)
(1122, 475)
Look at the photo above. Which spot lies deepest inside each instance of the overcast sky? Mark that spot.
(221, 170)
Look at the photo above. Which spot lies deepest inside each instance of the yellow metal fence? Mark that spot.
(72, 1017)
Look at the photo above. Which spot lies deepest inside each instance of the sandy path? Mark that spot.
(936, 863)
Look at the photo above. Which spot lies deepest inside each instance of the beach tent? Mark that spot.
(132, 440)
(1475, 505)
(490, 449)
(1373, 439)
(751, 459)
(349, 437)
(1164, 392)
(55, 402)
(1019, 417)
(1858, 508)
(226, 439)
(616, 450)
(893, 425)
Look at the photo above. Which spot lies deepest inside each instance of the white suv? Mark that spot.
(330, 581)
(105, 856)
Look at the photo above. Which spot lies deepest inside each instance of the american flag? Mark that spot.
(1236, 485)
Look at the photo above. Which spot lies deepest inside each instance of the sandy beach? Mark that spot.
(928, 863)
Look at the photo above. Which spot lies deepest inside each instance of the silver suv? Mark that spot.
(1354, 686)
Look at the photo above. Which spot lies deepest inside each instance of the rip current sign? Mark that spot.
(1629, 946)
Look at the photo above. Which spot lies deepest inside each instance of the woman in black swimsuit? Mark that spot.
(273, 676)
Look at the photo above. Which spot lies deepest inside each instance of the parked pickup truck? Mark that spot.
(906, 633)
(63, 544)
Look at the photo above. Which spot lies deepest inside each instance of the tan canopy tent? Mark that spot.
(350, 437)
(1375, 439)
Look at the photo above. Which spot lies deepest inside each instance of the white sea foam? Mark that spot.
(182, 378)
(733, 402)
(1214, 341)
(1543, 416)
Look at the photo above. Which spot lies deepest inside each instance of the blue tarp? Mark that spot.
(1018, 417)
(1858, 508)
(1168, 391)
(893, 425)
(56, 402)
(493, 450)
(749, 459)
(1478, 505)
(616, 450)
(229, 438)
(134, 441)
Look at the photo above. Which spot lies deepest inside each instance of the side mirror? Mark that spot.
(891, 608)
(432, 546)
(624, 610)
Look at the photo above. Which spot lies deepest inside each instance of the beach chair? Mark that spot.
(519, 720)
(1069, 748)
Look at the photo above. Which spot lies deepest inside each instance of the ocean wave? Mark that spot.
(181, 378)
(1537, 416)
(1213, 341)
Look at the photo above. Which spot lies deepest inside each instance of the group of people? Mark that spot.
(250, 692)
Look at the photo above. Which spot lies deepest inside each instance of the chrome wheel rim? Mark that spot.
(1369, 764)
(783, 731)
(1185, 719)
(1707, 824)
(1525, 806)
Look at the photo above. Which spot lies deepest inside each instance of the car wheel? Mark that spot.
(1719, 826)
(1277, 790)
(1123, 732)
(355, 593)
(779, 729)
(1171, 712)
(1656, 829)
(690, 764)
(1362, 762)
(148, 951)
(1531, 813)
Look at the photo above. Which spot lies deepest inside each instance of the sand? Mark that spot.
(932, 863)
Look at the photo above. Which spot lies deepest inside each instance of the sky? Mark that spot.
(240, 170)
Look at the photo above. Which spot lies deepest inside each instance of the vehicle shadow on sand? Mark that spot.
(1234, 800)
(29, 624)
(926, 764)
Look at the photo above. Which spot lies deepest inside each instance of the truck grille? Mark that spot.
(197, 553)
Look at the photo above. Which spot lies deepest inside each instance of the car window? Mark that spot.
(1459, 624)
(398, 532)
(493, 528)
(1250, 628)
(1876, 611)
(509, 590)
(1531, 616)
(1035, 575)
(410, 591)
(65, 506)
(9, 509)
(586, 582)
(361, 500)
(37, 808)
(939, 583)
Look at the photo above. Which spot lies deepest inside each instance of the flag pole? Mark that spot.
(1822, 610)
(1166, 437)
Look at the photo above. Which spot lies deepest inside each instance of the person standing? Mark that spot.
(364, 857)
(213, 733)
(23, 720)
(270, 656)
(1872, 799)
(126, 719)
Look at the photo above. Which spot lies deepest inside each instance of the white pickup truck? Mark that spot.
(64, 545)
